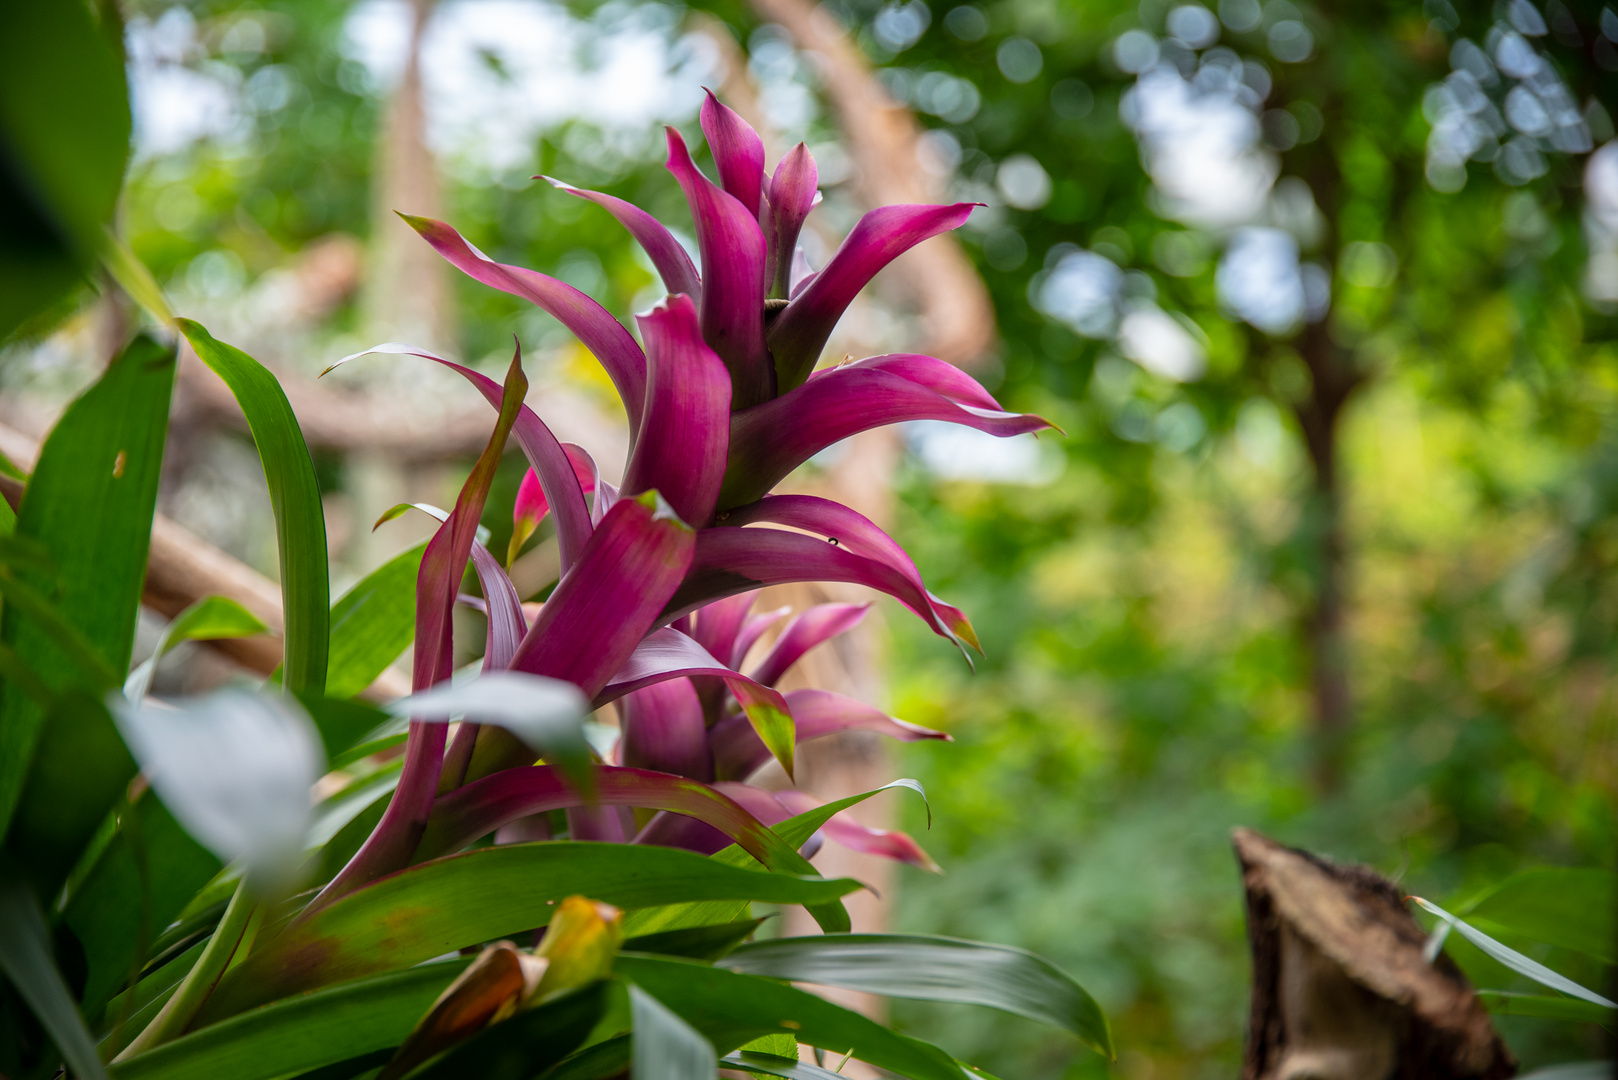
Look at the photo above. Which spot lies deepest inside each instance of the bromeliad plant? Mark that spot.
(327, 946)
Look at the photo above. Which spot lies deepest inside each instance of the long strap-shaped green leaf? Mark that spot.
(302, 1033)
(730, 1009)
(665, 1047)
(373, 623)
(461, 900)
(933, 969)
(25, 960)
(89, 505)
(300, 524)
(794, 832)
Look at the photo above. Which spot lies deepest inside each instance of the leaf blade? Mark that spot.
(372, 624)
(300, 520)
(90, 505)
(25, 959)
(665, 1047)
(927, 968)
(482, 895)
(302, 1033)
(732, 1009)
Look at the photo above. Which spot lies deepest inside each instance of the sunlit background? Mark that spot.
(1323, 300)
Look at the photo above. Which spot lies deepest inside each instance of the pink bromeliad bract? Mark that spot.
(657, 577)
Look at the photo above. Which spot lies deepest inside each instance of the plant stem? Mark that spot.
(200, 981)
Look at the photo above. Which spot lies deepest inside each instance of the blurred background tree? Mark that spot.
(1322, 295)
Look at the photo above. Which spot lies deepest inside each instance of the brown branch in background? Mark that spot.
(336, 420)
(884, 140)
(182, 568)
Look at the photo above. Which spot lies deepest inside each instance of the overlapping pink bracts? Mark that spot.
(653, 608)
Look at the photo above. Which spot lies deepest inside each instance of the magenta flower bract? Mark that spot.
(652, 610)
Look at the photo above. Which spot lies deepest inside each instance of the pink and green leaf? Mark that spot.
(669, 654)
(737, 150)
(792, 195)
(663, 728)
(819, 624)
(532, 505)
(438, 581)
(738, 753)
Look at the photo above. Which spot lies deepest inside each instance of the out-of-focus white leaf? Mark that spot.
(234, 768)
(547, 714)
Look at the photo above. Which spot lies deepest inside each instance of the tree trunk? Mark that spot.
(1324, 622)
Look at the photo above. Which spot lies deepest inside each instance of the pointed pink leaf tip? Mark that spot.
(793, 193)
(738, 152)
(799, 333)
(732, 246)
(532, 505)
(673, 265)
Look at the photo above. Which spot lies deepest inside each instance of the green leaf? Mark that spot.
(1574, 909)
(10, 468)
(80, 771)
(794, 831)
(372, 624)
(134, 277)
(64, 134)
(665, 1047)
(928, 968)
(302, 1033)
(128, 1013)
(1508, 1003)
(482, 895)
(776, 1065)
(1515, 960)
(525, 1045)
(25, 959)
(342, 723)
(779, 1045)
(732, 1009)
(300, 523)
(697, 943)
(90, 505)
(212, 618)
(141, 881)
(370, 798)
